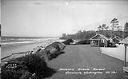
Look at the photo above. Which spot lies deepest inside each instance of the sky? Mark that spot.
(51, 18)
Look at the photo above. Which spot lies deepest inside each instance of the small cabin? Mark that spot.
(116, 39)
(99, 40)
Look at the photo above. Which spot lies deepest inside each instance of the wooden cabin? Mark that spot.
(99, 40)
(116, 39)
(125, 42)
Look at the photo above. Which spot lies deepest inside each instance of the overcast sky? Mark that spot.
(52, 18)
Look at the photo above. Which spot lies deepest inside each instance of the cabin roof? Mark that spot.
(98, 36)
(116, 37)
(124, 41)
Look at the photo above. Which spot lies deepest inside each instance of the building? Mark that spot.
(116, 39)
(99, 40)
(124, 41)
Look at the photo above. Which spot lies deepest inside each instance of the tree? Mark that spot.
(107, 27)
(64, 35)
(115, 24)
(126, 30)
(100, 27)
(103, 27)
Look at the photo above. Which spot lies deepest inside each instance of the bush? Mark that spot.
(53, 50)
(32, 66)
(60, 45)
(24, 67)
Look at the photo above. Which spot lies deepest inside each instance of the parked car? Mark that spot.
(83, 42)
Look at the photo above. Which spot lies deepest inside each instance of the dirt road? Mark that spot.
(85, 62)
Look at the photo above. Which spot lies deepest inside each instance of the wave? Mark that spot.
(25, 41)
(11, 39)
(9, 43)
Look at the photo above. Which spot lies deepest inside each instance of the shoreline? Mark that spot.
(23, 47)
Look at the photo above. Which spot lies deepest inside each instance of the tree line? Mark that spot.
(109, 31)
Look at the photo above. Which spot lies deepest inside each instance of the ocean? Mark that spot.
(7, 40)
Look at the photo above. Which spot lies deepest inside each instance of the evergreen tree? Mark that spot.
(126, 30)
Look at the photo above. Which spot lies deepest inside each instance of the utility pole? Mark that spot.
(125, 55)
(125, 47)
(125, 42)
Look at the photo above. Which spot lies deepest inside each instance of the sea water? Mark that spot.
(7, 40)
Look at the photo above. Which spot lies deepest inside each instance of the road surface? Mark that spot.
(85, 62)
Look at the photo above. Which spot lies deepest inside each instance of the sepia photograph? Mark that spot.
(64, 39)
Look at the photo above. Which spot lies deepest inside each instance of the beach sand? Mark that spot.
(15, 48)
(9, 49)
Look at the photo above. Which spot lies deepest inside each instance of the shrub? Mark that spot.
(53, 50)
(24, 67)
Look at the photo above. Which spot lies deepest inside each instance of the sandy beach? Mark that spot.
(15, 48)
(7, 50)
